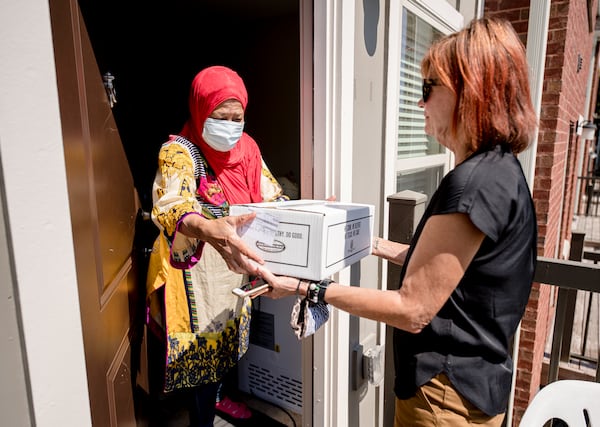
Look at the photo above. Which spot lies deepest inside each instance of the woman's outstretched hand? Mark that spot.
(281, 286)
(222, 234)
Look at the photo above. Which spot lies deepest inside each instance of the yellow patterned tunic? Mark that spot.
(189, 295)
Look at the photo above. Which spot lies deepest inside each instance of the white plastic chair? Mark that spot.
(575, 402)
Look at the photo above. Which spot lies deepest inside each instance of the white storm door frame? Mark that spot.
(444, 18)
(333, 74)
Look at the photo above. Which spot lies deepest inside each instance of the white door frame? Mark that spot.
(333, 56)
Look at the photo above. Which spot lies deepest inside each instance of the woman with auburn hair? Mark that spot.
(490, 82)
(467, 274)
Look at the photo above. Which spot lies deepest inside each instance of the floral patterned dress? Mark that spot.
(189, 296)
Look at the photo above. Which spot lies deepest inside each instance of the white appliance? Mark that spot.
(272, 367)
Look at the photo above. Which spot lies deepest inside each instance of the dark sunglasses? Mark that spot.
(427, 85)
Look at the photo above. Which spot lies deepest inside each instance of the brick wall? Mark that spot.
(563, 100)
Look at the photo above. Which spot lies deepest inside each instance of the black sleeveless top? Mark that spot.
(469, 338)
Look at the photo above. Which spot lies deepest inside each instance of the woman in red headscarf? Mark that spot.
(211, 164)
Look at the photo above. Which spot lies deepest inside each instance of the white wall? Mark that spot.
(38, 221)
(14, 403)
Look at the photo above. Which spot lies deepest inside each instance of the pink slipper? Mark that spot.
(237, 410)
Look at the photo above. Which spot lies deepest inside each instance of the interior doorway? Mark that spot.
(154, 49)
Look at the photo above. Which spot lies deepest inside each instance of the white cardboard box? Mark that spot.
(311, 239)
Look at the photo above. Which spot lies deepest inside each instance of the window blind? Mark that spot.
(417, 36)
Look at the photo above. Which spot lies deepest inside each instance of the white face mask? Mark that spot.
(222, 135)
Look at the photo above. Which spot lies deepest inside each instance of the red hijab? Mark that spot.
(238, 170)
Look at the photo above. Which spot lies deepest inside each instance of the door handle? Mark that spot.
(111, 92)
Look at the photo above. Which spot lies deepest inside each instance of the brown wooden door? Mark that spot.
(103, 204)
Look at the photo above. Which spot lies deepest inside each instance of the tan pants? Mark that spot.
(438, 404)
